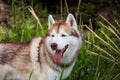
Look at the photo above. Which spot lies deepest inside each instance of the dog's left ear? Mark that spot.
(71, 20)
(50, 21)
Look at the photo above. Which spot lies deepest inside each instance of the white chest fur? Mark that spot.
(48, 73)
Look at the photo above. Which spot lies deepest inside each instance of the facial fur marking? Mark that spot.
(61, 24)
(57, 25)
(39, 54)
(74, 33)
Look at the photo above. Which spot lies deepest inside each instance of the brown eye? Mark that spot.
(52, 35)
(63, 35)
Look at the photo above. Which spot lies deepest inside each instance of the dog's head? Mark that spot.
(63, 39)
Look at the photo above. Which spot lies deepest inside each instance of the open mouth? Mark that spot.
(59, 54)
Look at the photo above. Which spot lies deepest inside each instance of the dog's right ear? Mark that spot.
(50, 21)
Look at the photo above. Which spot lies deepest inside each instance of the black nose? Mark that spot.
(54, 46)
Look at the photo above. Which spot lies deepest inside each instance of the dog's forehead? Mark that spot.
(61, 25)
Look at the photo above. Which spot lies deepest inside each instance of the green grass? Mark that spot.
(99, 56)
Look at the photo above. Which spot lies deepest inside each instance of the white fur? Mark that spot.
(34, 55)
(74, 45)
(46, 73)
(34, 49)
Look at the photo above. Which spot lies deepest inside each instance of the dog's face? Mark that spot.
(63, 39)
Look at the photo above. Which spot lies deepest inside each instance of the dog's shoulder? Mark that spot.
(34, 47)
(35, 42)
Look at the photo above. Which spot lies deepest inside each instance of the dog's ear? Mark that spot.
(50, 21)
(71, 21)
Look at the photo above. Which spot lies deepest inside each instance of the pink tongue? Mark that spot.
(58, 56)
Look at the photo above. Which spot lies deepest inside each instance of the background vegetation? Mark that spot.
(99, 58)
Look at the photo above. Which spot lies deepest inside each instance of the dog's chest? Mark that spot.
(47, 73)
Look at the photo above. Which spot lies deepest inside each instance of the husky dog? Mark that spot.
(45, 58)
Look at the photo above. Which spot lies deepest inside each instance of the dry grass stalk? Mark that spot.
(112, 26)
(117, 23)
(107, 44)
(91, 27)
(104, 57)
(66, 6)
(109, 29)
(78, 8)
(108, 38)
(35, 16)
(61, 9)
(100, 49)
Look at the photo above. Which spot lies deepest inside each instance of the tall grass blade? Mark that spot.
(112, 26)
(31, 74)
(117, 23)
(117, 77)
(91, 27)
(109, 29)
(97, 68)
(107, 44)
(108, 38)
(66, 6)
(78, 9)
(104, 57)
(35, 16)
(61, 12)
(114, 33)
(100, 49)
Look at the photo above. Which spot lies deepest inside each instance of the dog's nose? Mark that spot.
(54, 46)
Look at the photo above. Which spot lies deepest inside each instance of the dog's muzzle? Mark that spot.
(58, 53)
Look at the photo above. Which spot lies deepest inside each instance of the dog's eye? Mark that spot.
(52, 35)
(63, 35)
